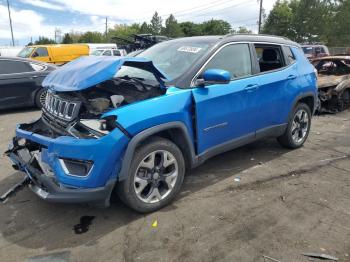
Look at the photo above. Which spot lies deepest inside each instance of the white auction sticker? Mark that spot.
(189, 49)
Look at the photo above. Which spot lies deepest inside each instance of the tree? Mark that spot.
(215, 27)
(91, 37)
(44, 41)
(67, 39)
(156, 24)
(340, 35)
(172, 28)
(242, 30)
(190, 28)
(145, 28)
(279, 20)
(124, 30)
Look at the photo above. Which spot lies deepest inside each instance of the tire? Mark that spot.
(40, 98)
(153, 183)
(298, 127)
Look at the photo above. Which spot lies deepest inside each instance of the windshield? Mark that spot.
(97, 52)
(175, 57)
(25, 52)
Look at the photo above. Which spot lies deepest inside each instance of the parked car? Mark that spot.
(109, 52)
(333, 83)
(60, 54)
(315, 51)
(20, 82)
(136, 124)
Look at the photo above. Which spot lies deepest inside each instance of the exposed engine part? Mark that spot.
(99, 105)
(117, 100)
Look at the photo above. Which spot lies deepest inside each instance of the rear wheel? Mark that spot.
(155, 176)
(298, 127)
(40, 98)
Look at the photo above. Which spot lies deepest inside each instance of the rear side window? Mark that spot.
(40, 51)
(116, 53)
(107, 53)
(14, 67)
(270, 57)
(289, 54)
(233, 58)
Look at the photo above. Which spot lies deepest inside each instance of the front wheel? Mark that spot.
(298, 127)
(40, 98)
(155, 176)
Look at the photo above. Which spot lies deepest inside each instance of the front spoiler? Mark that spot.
(47, 187)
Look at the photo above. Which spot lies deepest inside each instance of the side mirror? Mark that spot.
(214, 76)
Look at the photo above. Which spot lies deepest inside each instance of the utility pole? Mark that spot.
(106, 27)
(260, 15)
(8, 8)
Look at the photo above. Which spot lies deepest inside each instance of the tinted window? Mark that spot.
(107, 53)
(270, 57)
(11, 67)
(234, 59)
(116, 53)
(40, 51)
(289, 54)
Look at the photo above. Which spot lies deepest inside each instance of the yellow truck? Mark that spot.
(61, 53)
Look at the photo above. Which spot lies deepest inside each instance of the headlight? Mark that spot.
(104, 125)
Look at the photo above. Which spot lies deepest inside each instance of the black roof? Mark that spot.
(239, 38)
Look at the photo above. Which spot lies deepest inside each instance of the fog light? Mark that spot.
(74, 167)
(21, 142)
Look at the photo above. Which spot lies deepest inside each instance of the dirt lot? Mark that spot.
(286, 203)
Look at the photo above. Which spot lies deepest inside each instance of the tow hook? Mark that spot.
(14, 189)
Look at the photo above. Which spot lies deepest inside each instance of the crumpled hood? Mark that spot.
(88, 71)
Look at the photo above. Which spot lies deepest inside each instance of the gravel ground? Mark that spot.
(257, 200)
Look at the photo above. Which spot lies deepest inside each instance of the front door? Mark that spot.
(226, 113)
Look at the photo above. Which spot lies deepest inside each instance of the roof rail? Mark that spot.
(233, 34)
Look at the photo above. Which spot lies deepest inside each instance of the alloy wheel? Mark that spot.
(300, 126)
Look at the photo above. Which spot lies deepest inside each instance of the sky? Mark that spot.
(34, 18)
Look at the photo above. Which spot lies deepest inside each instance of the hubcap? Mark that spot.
(43, 98)
(300, 126)
(155, 176)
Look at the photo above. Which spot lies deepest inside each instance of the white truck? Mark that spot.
(10, 50)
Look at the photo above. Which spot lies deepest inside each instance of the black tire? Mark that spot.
(291, 139)
(127, 188)
(39, 98)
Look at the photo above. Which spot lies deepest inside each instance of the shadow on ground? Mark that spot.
(30, 222)
(18, 110)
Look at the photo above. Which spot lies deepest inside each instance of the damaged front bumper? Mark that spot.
(66, 169)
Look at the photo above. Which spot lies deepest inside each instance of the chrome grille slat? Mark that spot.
(61, 108)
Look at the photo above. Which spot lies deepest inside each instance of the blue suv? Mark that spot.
(135, 125)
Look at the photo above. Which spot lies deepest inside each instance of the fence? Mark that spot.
(339, 50)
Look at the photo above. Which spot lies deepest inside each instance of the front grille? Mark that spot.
(56, 106)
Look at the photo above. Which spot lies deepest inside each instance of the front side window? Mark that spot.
(40, 52)
(233, 58)
(25, 52)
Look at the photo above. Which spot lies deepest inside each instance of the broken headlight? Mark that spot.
(104, 125)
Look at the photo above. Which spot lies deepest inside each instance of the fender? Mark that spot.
(137, 139)
(301, 96)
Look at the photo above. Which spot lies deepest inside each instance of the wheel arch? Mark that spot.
(174, 131)
(307, 98)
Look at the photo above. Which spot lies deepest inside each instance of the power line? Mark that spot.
(8, 8)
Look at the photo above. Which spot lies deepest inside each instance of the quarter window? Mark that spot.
(233, 58)
(289, 54)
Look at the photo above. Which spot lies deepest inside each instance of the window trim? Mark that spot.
(286, 56)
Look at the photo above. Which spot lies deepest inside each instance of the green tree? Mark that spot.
(279, 20)
(242, 30)
(340, 34)
(172, 28)
(44, 41)
(156, 24)
(91, 37)
(215, 27)
(67, 39)
(190, 28)
(145, 28)
(124, 30)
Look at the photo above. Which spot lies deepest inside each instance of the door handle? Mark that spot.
(251, 87)
(291, 77)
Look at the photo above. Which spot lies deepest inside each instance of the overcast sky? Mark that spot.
(33, 18)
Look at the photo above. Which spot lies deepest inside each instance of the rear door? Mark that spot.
(226, 113)
(276, 81)
(17, 83)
